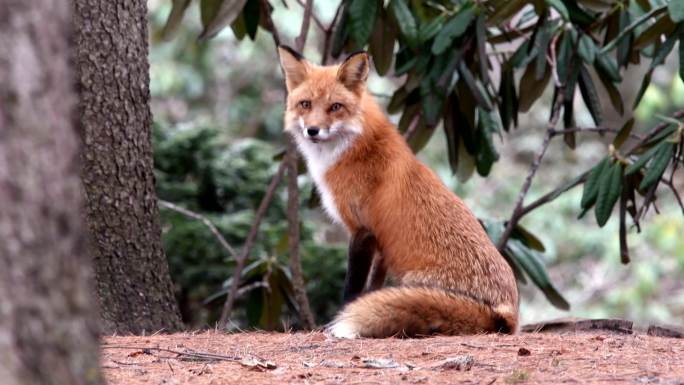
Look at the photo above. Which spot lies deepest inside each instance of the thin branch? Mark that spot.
(249, 243)
(291, 163)
(329, 34)
(599, 130)
(624, 247)
(654, 131)
(300, 41)
(515, 217)
(551, 195)
(669, 184)
(648, 199)
(627, 30)
(204, 220)
(269, 22)
(316, 20)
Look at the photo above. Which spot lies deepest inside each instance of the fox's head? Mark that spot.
(323, 102)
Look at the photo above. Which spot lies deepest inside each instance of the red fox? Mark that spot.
(450, 279)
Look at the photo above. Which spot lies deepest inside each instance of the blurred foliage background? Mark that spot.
(218, 107)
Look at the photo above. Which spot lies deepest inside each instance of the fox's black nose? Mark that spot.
(313, 131)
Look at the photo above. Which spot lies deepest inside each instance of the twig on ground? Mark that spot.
(249, 243)
(204, 220)
(194, 355)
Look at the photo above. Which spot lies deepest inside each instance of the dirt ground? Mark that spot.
(213, 358)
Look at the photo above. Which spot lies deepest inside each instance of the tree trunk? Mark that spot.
(47, 332)
(133, 282)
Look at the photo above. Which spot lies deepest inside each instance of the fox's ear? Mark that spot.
(294, 66)
(354, 71)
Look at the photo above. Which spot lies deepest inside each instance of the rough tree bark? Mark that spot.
(47, 328)
(133, 282)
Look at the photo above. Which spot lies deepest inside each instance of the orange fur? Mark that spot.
(452, 279)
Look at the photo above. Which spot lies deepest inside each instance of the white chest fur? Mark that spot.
(320, 157)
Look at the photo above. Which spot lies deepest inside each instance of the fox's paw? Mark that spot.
(343, 329)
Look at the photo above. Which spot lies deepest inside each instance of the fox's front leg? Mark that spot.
(362, 247)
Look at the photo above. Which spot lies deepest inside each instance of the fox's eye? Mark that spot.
(335, 107)
(306, 104)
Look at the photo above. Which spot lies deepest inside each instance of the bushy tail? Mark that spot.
(419, 311)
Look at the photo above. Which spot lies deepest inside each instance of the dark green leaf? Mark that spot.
(453, 28)
(508, 99)
(362, 15)
(251, 15)
(624, 48)
(560, 7)
(494, 231)
(410, 112)
(467, 107)
(450, 130)
(478, 93)
(430, 29)
(664, 50)
(624, 133)
(590, 95)
(405, 21)
(530, 261)
(405, 66)
(681, 53)
(527, 238)
(587, 49)
(220, 17)
(608, 66)
(542, 44)
(521, 58)
(630, 28)
(610, 187)
(661, 159)
(487, 154)
(178, 8)
(613, 93)
(432, 103)
(397, 100)
(643, 159)
(531, 88)
(481, 35)
(382, 44)
(591, 186)
(239, 28)
(421, 136)
(663, 26)
(506, 10)
(564, 56)
(578, 16)
(208, 10)
(642, 89)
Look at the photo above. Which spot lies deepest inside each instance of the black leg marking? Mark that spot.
(361, 250)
